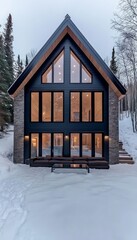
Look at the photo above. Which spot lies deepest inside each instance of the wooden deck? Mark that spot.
(92, 162)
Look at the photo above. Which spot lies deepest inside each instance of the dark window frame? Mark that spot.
(42, 107)
(102, 106)
(52, 107)
(40, 142)
(38, 107)
(30, 137)
(80, 70)
(92, 106)
(102, 133)
(52, 69)
(92, 141)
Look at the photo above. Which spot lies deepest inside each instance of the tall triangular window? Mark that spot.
(55, 72)
(76, 68)
(86, 76)
(47, 76)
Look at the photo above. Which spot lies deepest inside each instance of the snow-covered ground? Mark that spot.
(36, 204)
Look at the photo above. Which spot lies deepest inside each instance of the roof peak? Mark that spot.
(67, 16)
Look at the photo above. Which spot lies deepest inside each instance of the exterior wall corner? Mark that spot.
(19, 128)
(113, 128)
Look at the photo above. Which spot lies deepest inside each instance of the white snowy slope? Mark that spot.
(128, 138)
(36, 204)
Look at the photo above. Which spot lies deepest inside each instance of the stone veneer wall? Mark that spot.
(113, 128)
(19, 127)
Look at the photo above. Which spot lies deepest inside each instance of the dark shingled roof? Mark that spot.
(67, 23)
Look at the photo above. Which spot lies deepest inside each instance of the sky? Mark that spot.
(35, 21)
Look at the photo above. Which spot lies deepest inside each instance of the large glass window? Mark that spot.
(34, 106)
(75, 106)
(46, 106)
(86, 145)
(58, 71)
(98, 107)
(86, 107)
(98, 145)
(46, 144)
(59, 68)
(86, 76)
(58, 107)
(75, 69)
(47, 76)
(34, 145)
(75, 144)
(58, 144)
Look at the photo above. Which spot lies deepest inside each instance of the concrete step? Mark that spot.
(124, 157)
(126, 161)
(122, 151)
(121, 157)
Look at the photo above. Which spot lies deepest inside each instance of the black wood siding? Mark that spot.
(66, 127)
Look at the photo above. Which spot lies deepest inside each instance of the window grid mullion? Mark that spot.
(80, 107)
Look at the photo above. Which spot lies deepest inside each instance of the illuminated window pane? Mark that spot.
(46, 106)
(59, 68)
(86, 145)
(34, 107)
(75, 144)
(58, 144)
(98, 145)
(58, 107)
(86, 76)
(46, 144)
(34, 145)
(47, 76)
(98, 106)
(86, 107)
(75, 69)
(75, 106)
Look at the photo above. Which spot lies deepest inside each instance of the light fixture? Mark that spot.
(87, 95)
(59, 73)
(26, 138)
(106, 137)
(74, 65)
(59, 65)
(66, 137)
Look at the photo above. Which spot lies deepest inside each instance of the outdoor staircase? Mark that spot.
(124, 157)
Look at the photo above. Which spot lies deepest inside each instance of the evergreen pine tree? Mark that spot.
(113, 62)
(4, 75)
(18, 67)
(9, 56)
(26, 61)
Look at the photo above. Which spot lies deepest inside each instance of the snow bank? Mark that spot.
(128, 138)
(6, 152)
(36, 204)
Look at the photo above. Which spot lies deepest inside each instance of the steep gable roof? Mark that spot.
(67, 27)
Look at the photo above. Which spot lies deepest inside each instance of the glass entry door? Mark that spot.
(52, 144)
(75, 144)
(58, 144)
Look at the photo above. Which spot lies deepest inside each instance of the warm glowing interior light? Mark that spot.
(26, 138)
(66, 137)
(106, 137)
